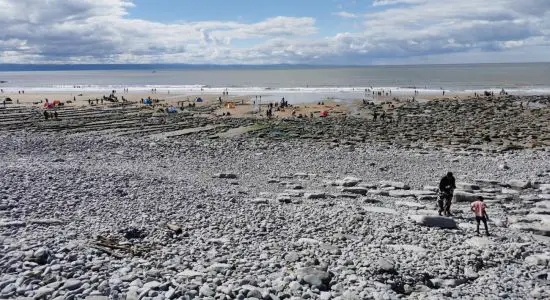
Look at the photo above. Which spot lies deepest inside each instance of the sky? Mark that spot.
(322, 32)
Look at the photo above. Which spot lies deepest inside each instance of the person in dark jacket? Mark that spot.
(446, 189)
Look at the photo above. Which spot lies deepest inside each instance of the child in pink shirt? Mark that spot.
(478, 207)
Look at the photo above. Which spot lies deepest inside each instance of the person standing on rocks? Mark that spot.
(446, 189)
(479, 209)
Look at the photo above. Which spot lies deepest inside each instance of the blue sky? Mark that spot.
(250, 11)
(271, 32)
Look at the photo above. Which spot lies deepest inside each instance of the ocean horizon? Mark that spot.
(13, 67)
(521, 78)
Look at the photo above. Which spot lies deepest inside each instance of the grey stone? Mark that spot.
(206, 291)
(43, 292)
(385, 265)
(519, 184)
(355, 190)
(315, 277)
(225, 175)
(72, 284)
(434, 221)
(379, 209)
(462, 196)
(315, 195)
(152, 285)
(350, 181)
(395, 184)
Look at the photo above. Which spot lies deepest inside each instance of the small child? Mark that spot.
(479, 209)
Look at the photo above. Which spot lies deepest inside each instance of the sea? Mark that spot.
(294, 81)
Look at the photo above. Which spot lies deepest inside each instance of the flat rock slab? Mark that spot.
(259, 201)
(406, 247)
(236, 132)
(545, 187)
(315, 195)
(434, 221)
(380, 210)
(350, 181)
(294, 193)
(379, 192)
(543, 204)
(225, 175)
(479, 242)
(462, 196)
(186, 131)
(12, 224)
(395, 184)
(519, 184)
(409, 204)
(410, 193)
(355, 190)
(539, 229)
(46, 221)
(467, 186)
(308, 241)
(540, 259)
(190, 274)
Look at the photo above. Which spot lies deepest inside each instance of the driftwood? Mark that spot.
(105, 250)
(106, 245)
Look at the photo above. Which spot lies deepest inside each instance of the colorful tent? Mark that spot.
(198, 99)
(323, 113)
(229, 105)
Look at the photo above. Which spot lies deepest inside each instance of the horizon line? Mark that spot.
(7, 67)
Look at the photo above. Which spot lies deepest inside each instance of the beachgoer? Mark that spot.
(375, 115)
(479, 209)
(446, 189)
(46, 115)
(55, 114)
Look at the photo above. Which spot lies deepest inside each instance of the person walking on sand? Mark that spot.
(480, 210)
(446, 189)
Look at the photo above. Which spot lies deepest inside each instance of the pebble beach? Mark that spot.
(129, 202)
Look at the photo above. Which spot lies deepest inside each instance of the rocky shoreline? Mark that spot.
(126, 205)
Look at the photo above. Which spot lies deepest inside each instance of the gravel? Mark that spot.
(89, 217)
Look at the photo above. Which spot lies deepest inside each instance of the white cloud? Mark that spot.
(345, 14)
(397, 30)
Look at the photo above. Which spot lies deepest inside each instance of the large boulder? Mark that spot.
(434, 221)
(462, 196)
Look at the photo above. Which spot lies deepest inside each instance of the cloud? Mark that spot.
(77, 31)
(345, 14)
